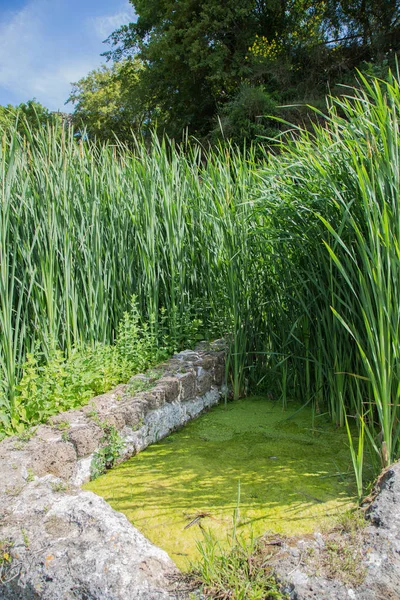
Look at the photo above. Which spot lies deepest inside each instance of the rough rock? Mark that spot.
(71, 545)
(55, 457)
(68, 544)
(379, 551)
(188, 385)
(85, 438)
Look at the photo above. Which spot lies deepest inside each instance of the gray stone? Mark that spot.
(188, 385)
(80, 548)
(219, 374)
(380, 558)
(57, 458)
(154, 397)
(69, 544)
(204, 382)
(85, 438)
(171, 387)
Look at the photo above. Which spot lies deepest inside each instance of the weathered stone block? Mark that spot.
(171, 387)
(187, 356)
(207, 362)
(57, 458)
(219, 374)
(154, 398)
(203, 383)
(188, 385)
(104, 403)
(85, 438)
(132, 412)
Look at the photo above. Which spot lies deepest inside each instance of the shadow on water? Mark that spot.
(291, 477)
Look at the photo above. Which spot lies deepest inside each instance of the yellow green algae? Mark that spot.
(294, 473)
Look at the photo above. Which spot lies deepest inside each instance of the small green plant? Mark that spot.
(62, 425)
(27, 434)
(138, 385)
(25, 537)
(14, 490)
(238, 570)
(30, 475)
(94, 415)
(59, 486)
(110, 450)
(6, 560)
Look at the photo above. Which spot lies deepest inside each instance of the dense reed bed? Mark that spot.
(85, 228)
(294, 259)
(332, 201)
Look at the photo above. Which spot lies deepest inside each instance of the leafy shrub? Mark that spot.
(247, 115)
(63, 383)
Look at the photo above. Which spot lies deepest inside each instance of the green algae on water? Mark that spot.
(293, 477)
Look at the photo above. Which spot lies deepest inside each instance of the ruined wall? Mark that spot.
(62, 542)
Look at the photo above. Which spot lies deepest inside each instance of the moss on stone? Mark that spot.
(292, 477)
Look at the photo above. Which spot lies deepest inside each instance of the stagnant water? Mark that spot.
(292, 472)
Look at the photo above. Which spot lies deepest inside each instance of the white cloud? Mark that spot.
(36, 62)
(105, 25)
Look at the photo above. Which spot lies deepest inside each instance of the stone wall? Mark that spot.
(58, 541)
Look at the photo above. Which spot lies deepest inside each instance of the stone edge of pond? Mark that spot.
(299, 562)
(58, 541)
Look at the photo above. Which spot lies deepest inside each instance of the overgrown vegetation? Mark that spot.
(63, 382)
(240, 572)
(333, 194)
(294, 258)
(111, 446)
(219, 71)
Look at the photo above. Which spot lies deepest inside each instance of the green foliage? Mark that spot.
(240, 572)
(197, 57)
(108, 103)
(247, 116)
(28, 116)
(294, 260)
(110, 450)
(62, 383)
(333, 192)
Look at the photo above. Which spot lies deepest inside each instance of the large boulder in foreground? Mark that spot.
(69, 544)
(348, 565)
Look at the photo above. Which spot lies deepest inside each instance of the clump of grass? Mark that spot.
(238, 572)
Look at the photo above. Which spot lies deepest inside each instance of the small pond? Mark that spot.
(294, 474)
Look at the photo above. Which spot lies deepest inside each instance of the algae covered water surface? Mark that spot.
(293, 474)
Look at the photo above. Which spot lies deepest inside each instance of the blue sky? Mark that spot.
(47, 44)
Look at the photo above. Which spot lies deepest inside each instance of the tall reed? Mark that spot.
(333, 198)
(84, 228)
(296, 260)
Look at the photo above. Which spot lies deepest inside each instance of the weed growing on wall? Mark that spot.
(111, 446)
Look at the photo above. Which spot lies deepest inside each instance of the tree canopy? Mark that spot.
(28, 115)
(189, 64)
(108, 103)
